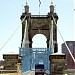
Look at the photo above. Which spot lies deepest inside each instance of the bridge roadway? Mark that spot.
(31, 73)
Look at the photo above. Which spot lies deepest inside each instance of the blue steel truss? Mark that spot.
(32, 56)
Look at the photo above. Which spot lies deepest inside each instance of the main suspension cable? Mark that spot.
(64, 40)
(12, 35)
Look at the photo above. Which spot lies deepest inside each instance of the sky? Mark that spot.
(11, 11)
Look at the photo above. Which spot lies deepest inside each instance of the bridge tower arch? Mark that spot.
(39, 41)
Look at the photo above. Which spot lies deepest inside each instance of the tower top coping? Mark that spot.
(51, 3)
(26, 2)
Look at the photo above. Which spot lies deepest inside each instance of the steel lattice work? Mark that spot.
(32, 56)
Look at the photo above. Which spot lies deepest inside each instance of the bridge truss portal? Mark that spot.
(32, 56)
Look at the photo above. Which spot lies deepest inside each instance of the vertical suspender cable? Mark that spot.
(39, 6)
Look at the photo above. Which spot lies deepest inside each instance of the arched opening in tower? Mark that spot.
(39, 41)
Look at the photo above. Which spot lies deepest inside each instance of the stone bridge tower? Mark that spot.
(38, 24)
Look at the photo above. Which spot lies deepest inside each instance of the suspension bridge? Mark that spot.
(38, 24)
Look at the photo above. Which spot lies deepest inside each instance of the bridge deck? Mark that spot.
(30, 73)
